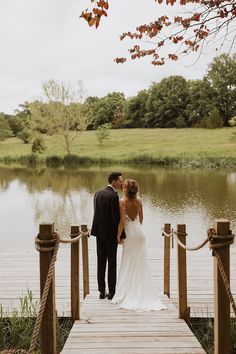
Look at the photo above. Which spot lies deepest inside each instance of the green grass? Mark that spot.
(155, 146)
(203, 329)
(16, 329)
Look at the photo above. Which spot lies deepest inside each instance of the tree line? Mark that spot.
(175, 102)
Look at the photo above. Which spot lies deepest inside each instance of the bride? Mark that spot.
(134, 290)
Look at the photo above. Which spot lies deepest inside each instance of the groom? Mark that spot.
(105, 225)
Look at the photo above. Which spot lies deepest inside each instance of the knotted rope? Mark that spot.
(52, 246)
(214, 244)
(175, 234)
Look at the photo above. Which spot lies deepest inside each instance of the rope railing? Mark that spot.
(40, 248)
(52, 245)
(74, 237)
(219, 242)
(175, 234)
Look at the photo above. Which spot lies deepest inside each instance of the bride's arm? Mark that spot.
(121, 223)
(140, 213)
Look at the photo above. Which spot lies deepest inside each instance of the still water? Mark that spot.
(31, 196)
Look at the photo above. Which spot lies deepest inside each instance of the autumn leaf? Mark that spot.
(120, 60)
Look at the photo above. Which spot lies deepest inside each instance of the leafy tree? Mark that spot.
(167, 102)
(14, 124)
(103, 132)
(62, 110)
(201, 101)
(22, 117)
(197, 24)
(25, 135)
(109, 109)
(222, 78)
(136, 110)
(5, 131)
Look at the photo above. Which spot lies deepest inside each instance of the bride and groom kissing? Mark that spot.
(119, 221)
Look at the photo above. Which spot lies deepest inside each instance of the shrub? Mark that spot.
(38, 145)
(73, 160)
(103, 132)
(54, 160)
(25, 136)
(214, 119)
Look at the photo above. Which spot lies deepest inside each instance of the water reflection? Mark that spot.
(31, 196)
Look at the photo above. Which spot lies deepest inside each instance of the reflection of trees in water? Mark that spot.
(171, 189)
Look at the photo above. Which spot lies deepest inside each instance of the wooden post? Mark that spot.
(85, 261)
(222, 340)
(48, 327)
(167, 228)
(184, 311)
(75, 288)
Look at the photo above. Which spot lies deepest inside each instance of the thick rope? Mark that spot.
(181, 244)
(172, 233)
(215, 244)
(75, 238)
(167, 233)
(46, 286)
(225, 281)
(54, 248)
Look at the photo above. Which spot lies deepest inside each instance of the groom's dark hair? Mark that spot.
(114, 176)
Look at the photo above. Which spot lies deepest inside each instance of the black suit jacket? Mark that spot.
(106, 214)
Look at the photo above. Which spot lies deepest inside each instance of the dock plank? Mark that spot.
(105, 328)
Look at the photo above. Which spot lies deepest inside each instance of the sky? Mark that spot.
(42, 40)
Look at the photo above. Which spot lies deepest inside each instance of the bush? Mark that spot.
(38, 145)
(73, 160)
(232, 122)
(214, 119)
(54, 160)
(29, 159)
(103, 132)
(25, 136)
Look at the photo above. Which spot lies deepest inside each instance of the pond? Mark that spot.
(29, 197)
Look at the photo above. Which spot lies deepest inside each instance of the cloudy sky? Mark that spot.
(45, 39)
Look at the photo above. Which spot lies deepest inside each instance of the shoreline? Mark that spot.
(73, 160)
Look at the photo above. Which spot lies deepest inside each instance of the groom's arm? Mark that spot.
(121, 223)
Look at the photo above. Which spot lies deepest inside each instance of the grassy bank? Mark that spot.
(16, 330)
(203, 329)
(180, 147)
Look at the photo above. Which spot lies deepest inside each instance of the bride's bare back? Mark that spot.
(132, 208)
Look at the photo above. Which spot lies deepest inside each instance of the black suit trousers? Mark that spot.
(106, 253)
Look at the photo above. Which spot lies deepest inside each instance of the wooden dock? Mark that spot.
(104, 328)
(19, 271)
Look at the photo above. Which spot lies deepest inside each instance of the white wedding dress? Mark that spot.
(135, 290)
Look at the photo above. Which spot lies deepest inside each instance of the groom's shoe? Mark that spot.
(110, 296)
(102, 295)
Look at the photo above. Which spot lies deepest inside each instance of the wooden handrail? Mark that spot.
(48, 326)
(184, 311)
(85, 260)
(75, 281)
(167, 228)
(222, 341)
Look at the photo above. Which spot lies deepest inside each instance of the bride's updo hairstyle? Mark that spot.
(131, 188)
